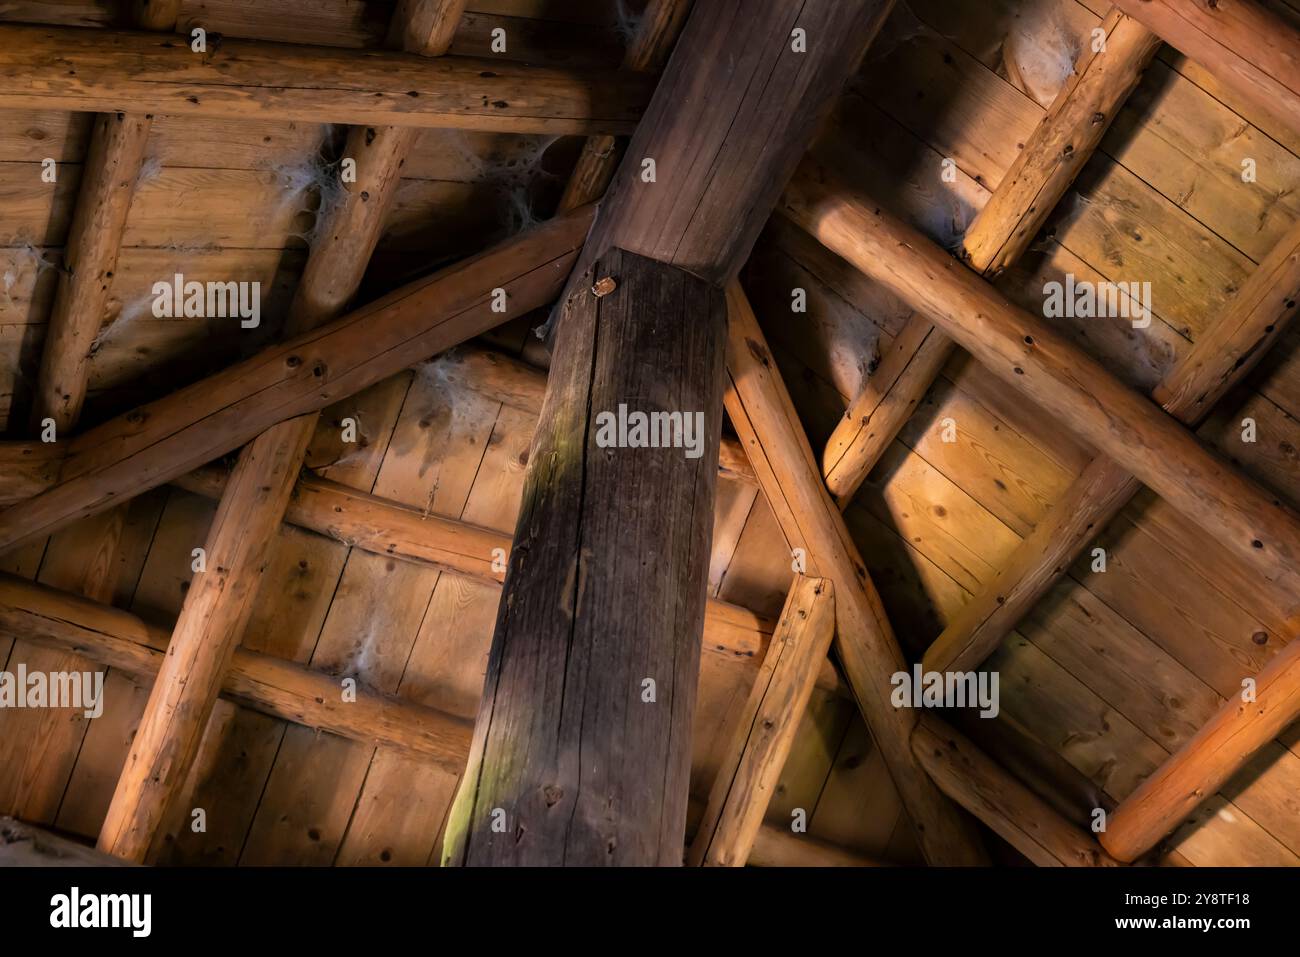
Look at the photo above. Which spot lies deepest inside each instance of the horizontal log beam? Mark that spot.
(384, 527)
(73, 68)
(1020, 817)
(176, 434)
(1242, 43)
(1054, 154)
(28, 468)
(1221, 357)
(282, 689)
(1205, 763)
(1027, 353)
(291, 692)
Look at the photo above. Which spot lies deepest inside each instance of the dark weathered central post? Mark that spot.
(581, 750)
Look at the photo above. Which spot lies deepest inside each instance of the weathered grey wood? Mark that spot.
(605, 591)
(734, 111)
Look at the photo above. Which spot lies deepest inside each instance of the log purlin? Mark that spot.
(1241, 726)
(293, 692)
(1025, 352)
(1062, 142)
(109, 71)
(764, 730)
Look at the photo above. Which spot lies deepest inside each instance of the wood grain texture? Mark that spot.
(112, 169)
(274, 686)
(1019, 816)
(1062, 142)
(384, 527)
(1205, 763)
(1220, 358)
(765, 729)
(107, 71)
(733, 112)
(605, 589)
(521, 386)
(425, 26)
(1243, 44)
(167, 438)
(764, 417)
(27, 468)
(1027, 353)
(209, 629)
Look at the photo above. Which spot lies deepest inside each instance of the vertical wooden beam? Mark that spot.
(764, 417)
(581, 751)
(736, 107)
(1243, 725)
(1241, 42)
(1020, 817)
(219, 602)
(1053, 155)
(765, 729)
(1220, 358)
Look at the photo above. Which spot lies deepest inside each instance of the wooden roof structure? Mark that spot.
(364, 585)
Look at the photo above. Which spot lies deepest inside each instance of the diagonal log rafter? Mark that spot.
(1060, 145)
(764, 418)
(1219, 360)
(1032, 357)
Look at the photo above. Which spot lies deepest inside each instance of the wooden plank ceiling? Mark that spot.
(378, 572)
